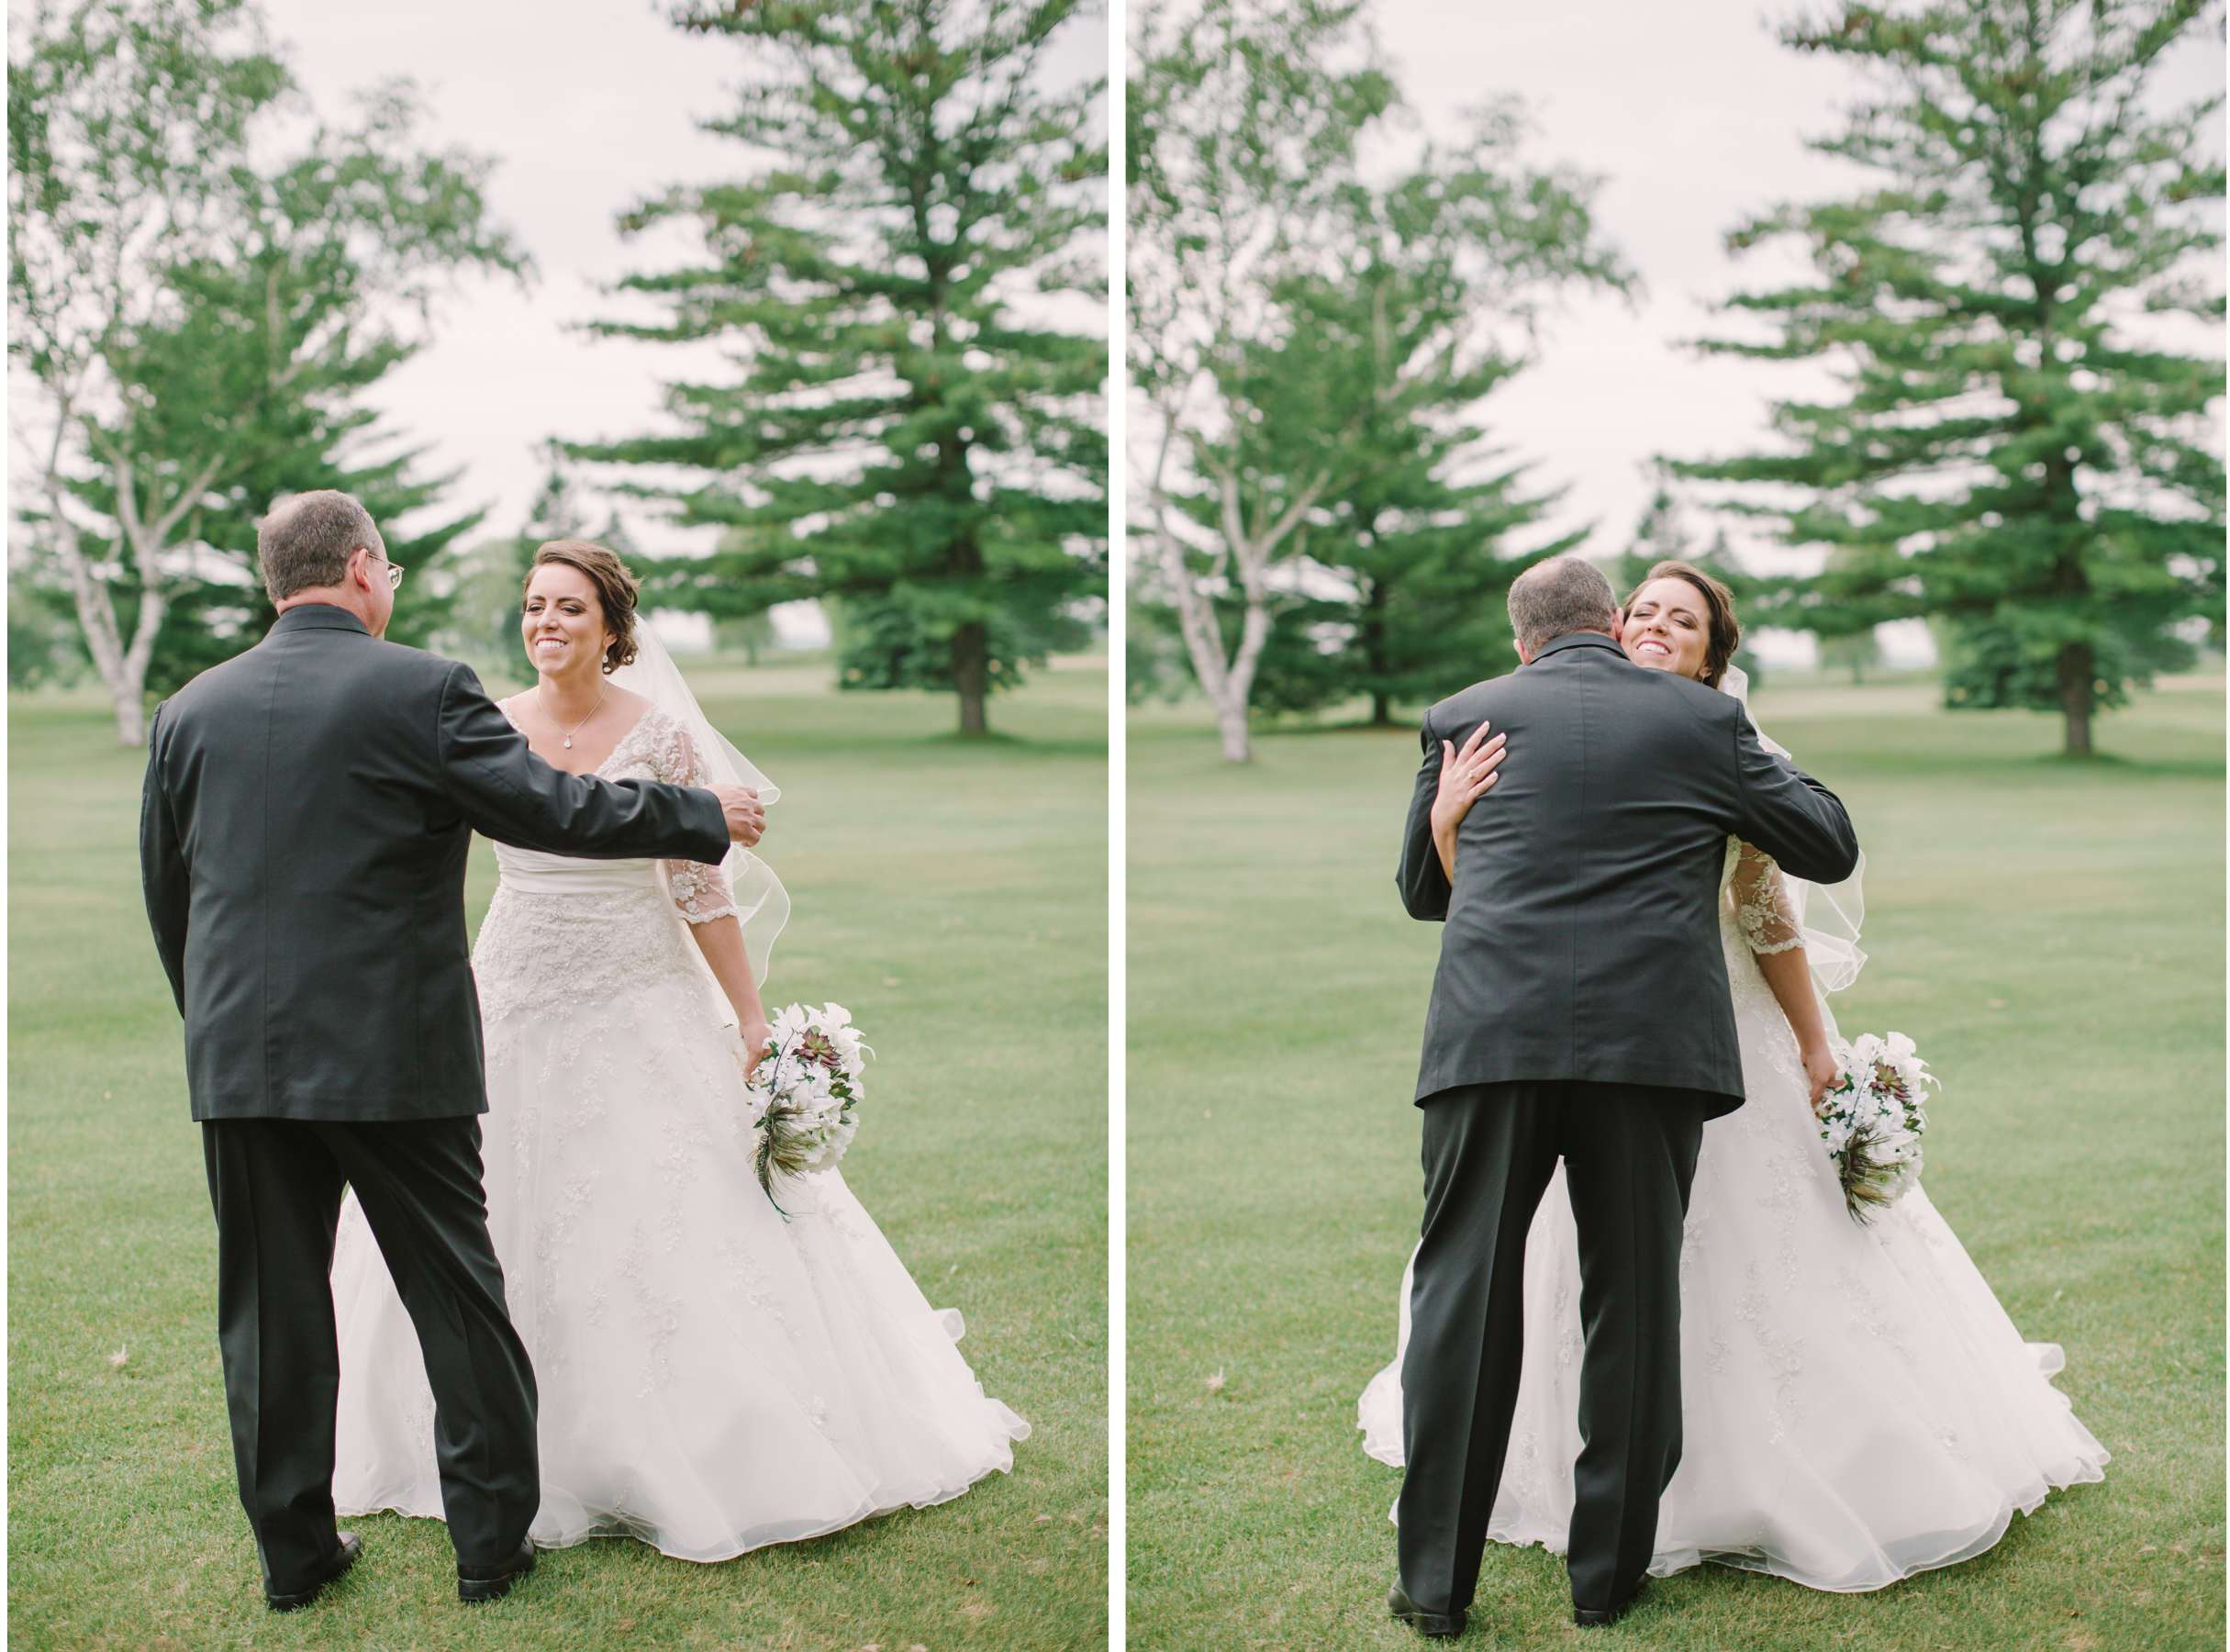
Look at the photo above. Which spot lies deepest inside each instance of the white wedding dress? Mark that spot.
(1857, 1407)
(713, 1377)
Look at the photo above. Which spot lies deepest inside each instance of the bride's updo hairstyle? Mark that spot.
(616, 591)
(1718, 601)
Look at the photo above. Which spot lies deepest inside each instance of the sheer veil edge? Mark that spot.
(763, 905)
(1829, 914)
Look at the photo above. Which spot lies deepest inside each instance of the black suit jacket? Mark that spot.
(1582, 937)
(302, 842)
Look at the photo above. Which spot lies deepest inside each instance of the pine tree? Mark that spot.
(206, 621)
(1431, 564)
(906, 436)
(2014, 453)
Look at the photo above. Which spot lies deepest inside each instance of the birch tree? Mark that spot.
(1305, 332)
(1240, 131)
(191, 318)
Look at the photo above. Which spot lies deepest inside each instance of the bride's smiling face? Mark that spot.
(1668, 628)
(563, 622)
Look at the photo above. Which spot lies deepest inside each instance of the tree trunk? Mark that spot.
(2076, 666)
(131, 714)
(1228, 684)
(1238, 685)
(1381, 711)
(972, 674)
(1231, 728)
(122, 669)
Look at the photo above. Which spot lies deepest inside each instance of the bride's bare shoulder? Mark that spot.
(636, 706)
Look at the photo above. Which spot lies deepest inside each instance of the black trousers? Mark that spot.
(1629, 1153)
(276, 1185)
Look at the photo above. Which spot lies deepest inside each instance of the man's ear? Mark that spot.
(1618, 625)
(1526, 655)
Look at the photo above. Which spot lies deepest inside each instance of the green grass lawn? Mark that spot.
(2051, 934)
(952, 895)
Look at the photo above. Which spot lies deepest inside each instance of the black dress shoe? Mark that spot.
(1439, 1625)
(338, 1562)
(493, 1582)
(1588, 1619)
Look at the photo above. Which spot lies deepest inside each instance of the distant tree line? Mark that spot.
(908, 435)
(2012, 456)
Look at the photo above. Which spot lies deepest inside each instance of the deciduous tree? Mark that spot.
(198, 322)
(1312, 341)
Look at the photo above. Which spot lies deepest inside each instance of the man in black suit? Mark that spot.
(1580, 1011)
(303, 837)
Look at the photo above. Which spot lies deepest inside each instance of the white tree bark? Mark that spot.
(1228, 683)
(123, 666)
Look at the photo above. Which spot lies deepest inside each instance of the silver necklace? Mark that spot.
(577, 727)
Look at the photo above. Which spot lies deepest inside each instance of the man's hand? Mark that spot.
(1465, 777)
(746, 817)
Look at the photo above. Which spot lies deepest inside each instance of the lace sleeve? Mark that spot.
(1768, 918)
(701, 891)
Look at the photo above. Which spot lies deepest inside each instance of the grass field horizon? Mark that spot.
(2049, 930)
(951, 893)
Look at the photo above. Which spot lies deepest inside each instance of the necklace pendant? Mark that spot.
(569, 742)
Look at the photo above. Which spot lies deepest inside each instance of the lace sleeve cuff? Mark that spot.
(1775, 946)
(699, 892)
(1763, 911)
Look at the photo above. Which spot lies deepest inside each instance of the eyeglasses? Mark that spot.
(395, 574)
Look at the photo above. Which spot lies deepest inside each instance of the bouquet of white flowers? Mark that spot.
(1872, 1120)
(802, 1094)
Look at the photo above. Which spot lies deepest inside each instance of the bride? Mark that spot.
(1857, 1405)
(715, 1375)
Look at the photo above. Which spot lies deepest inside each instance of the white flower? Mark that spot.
(811, 1073)
(1878, 1098)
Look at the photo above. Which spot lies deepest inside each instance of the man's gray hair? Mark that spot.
(1555, 598)
(304, 544)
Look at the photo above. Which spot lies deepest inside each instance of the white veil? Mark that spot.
(763, 906)
(1828, 915)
